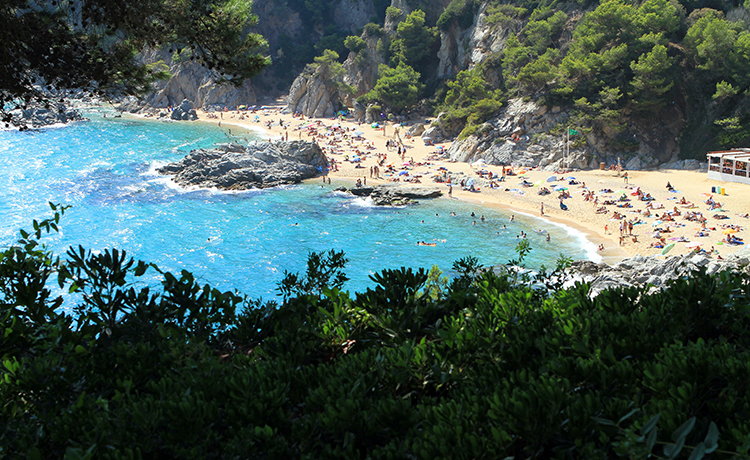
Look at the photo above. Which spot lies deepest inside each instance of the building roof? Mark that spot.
(735, 154)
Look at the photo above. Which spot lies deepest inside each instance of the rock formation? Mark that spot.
(314, 96)
(527, 134)
(642, 271)
(257, 165)
(38, 117)
(184, 111)
(190, 81)
(394, 194)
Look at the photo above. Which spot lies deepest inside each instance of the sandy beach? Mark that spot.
(688, 216)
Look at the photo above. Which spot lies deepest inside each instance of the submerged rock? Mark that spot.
(257, 165)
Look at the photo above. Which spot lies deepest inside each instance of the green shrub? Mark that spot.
(373, 30)
(393, 13)
(355, 44)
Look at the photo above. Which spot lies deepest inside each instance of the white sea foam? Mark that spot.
(365, 202)
(96, 165)
(592, 252)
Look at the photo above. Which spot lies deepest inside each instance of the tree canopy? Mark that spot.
(52, 46)
(397, 88)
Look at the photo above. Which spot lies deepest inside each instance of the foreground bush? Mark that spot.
(411, 368)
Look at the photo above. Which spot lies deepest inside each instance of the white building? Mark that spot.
(729, 165)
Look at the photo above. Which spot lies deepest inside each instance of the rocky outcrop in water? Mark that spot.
(394, 194)
(38, 117)
(257, 165)
(641, 271)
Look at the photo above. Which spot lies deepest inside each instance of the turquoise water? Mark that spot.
(105, 169)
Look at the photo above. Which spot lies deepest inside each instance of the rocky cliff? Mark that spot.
(315, 97)
(192, 82)
(462, 49)
(257, 165)
(527, 134)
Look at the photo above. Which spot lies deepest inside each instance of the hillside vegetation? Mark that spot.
(618, 66)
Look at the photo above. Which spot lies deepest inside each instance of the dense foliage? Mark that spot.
(92, 45)
(414, 367)
(614, 64)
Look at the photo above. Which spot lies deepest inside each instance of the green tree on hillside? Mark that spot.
(413, 40)
(651, 78)
(92, 45)
(397, 88)
(355, 44)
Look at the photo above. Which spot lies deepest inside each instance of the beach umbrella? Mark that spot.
(728, 231)
(667, 248)
(538, 183)
(571, 178)
(241, 106)
(479, 162)
(559, 188)
(523, 171)
(551, 179)
(358, 133)
(375, 125)
(403, 173)
(693, 244)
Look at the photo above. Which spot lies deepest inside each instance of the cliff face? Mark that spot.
(314, 97)
(192, 82)
(527, 134)
(463, 49)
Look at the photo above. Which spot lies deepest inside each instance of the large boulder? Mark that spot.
(257, 165)
(184, 111)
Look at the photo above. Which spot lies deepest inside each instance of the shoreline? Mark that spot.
(510, 197)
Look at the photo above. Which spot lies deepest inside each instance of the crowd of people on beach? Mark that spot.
(632, 208)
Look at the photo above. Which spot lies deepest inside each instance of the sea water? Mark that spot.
(105, 169)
